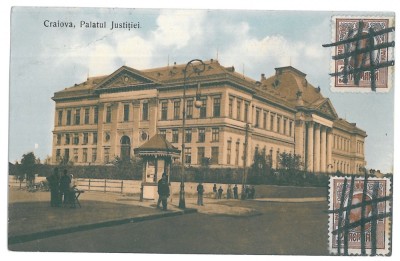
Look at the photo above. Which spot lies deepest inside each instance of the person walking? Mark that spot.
(159, 182)
(235, 192)
(65, 182)
(253, 192)
(229, 192)
(215, 191)
(54, 184)
(163, 191)
(220, 190)
(200, 191)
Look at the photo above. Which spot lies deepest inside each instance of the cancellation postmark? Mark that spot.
(362, 51)
(360, 216)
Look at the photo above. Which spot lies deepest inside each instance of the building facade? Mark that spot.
(108, 116)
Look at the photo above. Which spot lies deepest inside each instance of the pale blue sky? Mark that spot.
(46, 60)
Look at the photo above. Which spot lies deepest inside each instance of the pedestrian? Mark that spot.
(220, 190)
(215, 191)
(247, 192)
(163, 191)
(253, 192)
(235, 192)
(229, 192)
(159, 182)
(200, 191)
(65, 182)
(54, 184)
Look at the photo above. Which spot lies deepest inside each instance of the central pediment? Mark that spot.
(327, 109)
(125, 77)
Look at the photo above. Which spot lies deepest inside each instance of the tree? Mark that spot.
(28, 167)
(289, 161)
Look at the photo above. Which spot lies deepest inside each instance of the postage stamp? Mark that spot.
(360, 216)
(362, 53)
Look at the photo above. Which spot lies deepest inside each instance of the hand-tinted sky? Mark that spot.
(46, 60)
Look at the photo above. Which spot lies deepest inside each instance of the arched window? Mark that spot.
(125, 148)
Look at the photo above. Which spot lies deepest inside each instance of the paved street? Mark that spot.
(271, 228)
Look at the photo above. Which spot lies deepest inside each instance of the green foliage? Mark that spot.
(27, 166)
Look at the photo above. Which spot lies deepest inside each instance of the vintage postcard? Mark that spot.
(177, 131)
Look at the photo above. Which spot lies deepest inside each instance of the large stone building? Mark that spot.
(108, 116)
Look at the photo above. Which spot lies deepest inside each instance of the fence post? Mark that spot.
(105, 185)
(122, 185)
(89, 184)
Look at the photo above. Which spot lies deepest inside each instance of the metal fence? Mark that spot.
(108, 185)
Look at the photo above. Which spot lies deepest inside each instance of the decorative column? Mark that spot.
(323, 149)
(329, 145)
(317, 147)
(310, 146)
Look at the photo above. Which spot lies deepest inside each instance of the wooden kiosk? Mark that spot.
(157, 154)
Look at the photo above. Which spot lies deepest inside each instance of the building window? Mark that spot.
(290, 128)
(228, 152)
(126, 112)
(237, 153)
(230, 107)
(278, 124)
(58, 155)
(58, 139)
(69, 117)
(85, 138)
(188, 155)
(246, 111)
(202, 135)
(272, 121)
(257, 124)
(175, 135)
(60, 114)
(238, 109)
(265, 121)
(189, 109)
(77, 116)
(108, 114)
(94, 155)
(163, 133)
(94, 137)
(217, 107)
(145, 111)
(284, 126)
(177, 109)
(215, 134)
(66, 155)
(106, 155)
(96, 115)
(86, 119)
(203, 109)
(188, 135)
(164, 110)
(76, 138)
(214, 155)
(200, 155)
(84, 155)
(67, 139)
(75, 155)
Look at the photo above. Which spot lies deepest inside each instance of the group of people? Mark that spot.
(230, 193)
(61, 188)
(164, 192)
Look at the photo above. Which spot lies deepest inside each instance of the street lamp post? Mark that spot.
(244, 179)
(182, 204)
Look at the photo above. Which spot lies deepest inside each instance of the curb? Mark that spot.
(55, 232)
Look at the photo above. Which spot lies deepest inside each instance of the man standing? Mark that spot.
(235, 192)
(163, 191)
(200, 191)
(65, 181)
(54, 184)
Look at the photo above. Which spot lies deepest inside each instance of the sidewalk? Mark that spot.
(31, 217)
